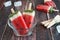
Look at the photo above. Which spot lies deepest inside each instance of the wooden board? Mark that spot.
(39, 32)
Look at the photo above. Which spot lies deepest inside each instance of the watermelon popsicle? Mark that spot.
(49, 3)
(18, 22)
(46, 9)
(28, 16)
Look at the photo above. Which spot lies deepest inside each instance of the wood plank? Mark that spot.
(4, 17)
(41, 31)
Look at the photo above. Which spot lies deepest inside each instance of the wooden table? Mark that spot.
(39, 32)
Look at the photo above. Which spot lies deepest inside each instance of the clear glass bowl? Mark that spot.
(29, 30)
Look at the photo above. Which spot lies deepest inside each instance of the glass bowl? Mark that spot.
(29, 30)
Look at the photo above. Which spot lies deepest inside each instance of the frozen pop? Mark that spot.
(45, 8)
(29, 16)
(18, 22)
(49, 3)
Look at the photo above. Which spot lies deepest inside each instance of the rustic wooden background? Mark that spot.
(39, 32)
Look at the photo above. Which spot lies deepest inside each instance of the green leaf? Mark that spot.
(13, 14)
(28, 11)
(51, 10)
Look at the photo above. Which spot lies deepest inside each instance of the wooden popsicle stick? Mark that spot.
(54, 21)
(56, 10)
(26, 7)
(47, 0)
(12, 10)
(30, 5)
(47, 21)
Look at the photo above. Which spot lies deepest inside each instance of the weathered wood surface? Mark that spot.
(43, 33)
(39, 33)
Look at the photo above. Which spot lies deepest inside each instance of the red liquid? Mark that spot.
(43, 8)
(20, 25)
(29, 20)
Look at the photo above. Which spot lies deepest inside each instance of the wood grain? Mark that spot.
(39, 33)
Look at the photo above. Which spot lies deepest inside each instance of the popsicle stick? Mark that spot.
(30, 5)
(46, 24)
(47, 0)
(54, 21)
(56, 10)
(48, 17)
(47, 21)
(12, 10)
(26, 7)
(51, 24)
